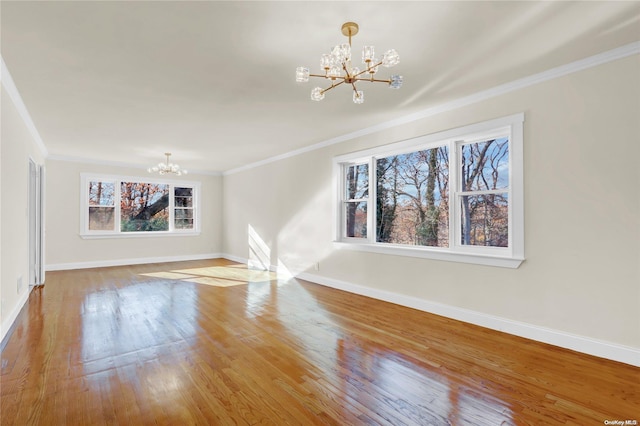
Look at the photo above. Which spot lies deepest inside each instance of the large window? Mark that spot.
(455, 195)
(125, 206)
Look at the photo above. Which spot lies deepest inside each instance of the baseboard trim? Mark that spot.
(124, 262)
(235, 258)
(9, 323)
(598, 348)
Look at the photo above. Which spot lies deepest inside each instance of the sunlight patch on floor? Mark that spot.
(168, 275)
(231, 273)
(216, 282)
(219, 276)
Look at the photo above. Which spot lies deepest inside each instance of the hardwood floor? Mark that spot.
(211, 343)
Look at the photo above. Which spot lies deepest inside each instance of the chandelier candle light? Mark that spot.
(167, 167)
(339, 69)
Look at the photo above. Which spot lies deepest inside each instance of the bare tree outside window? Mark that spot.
(484, 194)
(412, 205)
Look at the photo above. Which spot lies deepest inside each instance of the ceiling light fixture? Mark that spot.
(338, 68)
(167, 167)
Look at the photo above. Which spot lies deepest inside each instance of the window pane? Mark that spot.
(485, 220)
(356, 214)
(183, 197)
(357, 182)
(485, 165)
(412, 201)
(184, 223)
(101, 193)
(143, 207)
(183, 192)
(101, 218)
(184, 213)
(183, 218)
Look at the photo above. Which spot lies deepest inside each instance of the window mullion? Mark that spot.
(85, 205)
(516, 195)
(172, 205)
(117, 203)
(454, 188)
(371, 203)
(342, 211)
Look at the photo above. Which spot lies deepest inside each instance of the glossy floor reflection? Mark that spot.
(212, 343)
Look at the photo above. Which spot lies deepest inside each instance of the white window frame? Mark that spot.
(344, 199)
(86, 233)
(509, 257)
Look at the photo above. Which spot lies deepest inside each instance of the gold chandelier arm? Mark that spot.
(332, 86)
(375, 80)
(370, 67)
(360, 73)
(346, 71)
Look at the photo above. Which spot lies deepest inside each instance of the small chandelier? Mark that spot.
(339, 69)
(167, 167)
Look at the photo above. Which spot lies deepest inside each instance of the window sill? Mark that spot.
(435, 254)
(108, 235)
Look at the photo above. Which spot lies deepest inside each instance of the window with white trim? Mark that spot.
(455, 195)
(134, 206)
(356, 198)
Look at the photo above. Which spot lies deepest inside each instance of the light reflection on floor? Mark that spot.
(316, 331)
(115, 322)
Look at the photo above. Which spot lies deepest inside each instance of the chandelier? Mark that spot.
(167, 167)
(339, 69)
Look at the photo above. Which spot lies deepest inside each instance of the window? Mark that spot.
(125, 206)
(183, 208)
(355, 204)
(101, 205)
(455, 195)
(412, 201)
(484, 193)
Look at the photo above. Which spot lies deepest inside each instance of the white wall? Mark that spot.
(65, 249)
(17, 146)
(581, 277)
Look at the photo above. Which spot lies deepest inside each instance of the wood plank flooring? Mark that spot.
(211, 343)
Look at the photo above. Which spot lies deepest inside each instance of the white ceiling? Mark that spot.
(213, 82)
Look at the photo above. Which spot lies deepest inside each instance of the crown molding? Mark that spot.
(82, 160)
(570, 68)
(576, 66)
(9, 85)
